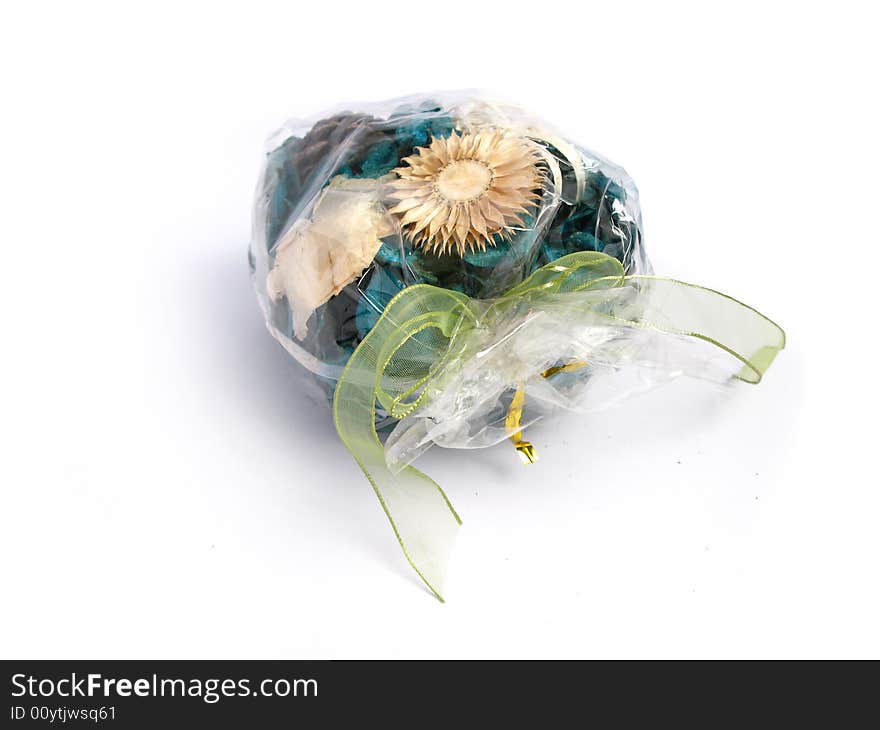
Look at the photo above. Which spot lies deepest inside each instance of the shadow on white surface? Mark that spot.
(290, 414)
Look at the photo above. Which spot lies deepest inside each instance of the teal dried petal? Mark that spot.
(551, 252)
(389, 253)
(582, 241)
(382, 287)
(431, 269)
(419, 133)
(488, 259)
(380, 160)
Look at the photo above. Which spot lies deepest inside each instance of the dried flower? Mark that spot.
(317, 258)
(461, 191)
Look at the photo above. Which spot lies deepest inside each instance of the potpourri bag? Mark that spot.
(452, 270)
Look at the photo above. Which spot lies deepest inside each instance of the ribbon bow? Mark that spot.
(427, 334)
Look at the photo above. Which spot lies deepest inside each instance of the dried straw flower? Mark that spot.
(461, 191)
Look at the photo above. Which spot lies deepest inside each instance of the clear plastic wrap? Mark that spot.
(324, 188)
(452, 270)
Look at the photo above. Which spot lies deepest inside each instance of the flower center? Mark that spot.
(463, 180)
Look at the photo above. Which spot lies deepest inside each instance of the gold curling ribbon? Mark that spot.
(525, 449)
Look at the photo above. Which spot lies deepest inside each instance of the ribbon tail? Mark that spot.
(708, 315)
(759, 362)
(423, 520)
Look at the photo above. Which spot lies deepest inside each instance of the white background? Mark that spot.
(168, 491)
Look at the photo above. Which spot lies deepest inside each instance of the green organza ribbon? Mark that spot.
(424, 330)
